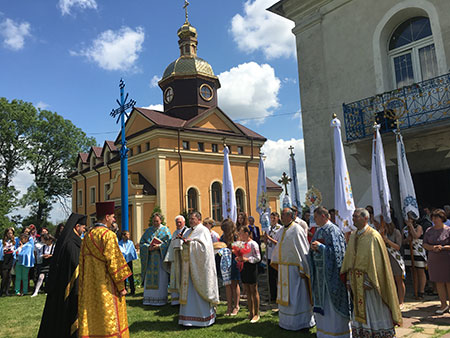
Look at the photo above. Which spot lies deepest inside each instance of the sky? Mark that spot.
(68, 56)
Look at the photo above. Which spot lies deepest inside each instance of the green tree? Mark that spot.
(16, 119)
(54, 144)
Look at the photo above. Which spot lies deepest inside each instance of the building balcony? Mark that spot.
(419, 104)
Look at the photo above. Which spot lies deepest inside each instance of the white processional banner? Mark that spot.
(343, 196)
(381, 194)
(228, 197)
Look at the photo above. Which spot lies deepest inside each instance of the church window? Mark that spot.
(240, 150)
(412, 52)
(192, 200)
(92, 195)
(216, 201)
(206, 92)
(168, 95)
(240, 200)
(105, 193)
(186, 145)
(201, 146)
(80, 198)
(214, 148)
(138, 149)
(147, 146)
(130, 152)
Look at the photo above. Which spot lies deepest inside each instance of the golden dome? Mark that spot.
(187, 31)
(188, 66)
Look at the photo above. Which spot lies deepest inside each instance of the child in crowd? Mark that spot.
(129, 252)
(46, 257)
(25, 261)
(231, 281)
(249, 273)
(8, 242)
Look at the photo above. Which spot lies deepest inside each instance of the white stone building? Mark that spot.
(361, 59)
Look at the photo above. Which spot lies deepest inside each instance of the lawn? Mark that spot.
(20, 317)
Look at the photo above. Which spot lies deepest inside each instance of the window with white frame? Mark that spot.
(107, 186)
(92, 195)
(412, 53)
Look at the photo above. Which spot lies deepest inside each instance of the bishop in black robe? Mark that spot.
(60, 317)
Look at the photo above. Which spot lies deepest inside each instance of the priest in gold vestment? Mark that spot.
(102, 310)
(368, 274)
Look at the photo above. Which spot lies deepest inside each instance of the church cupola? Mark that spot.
(188, 84)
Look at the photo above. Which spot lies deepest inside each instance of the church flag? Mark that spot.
(343, 196)
(262, 200)
(228, 197)
(295, 194)
(407, 192)
(381, 194)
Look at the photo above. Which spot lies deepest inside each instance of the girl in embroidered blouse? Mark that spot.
(249, 273)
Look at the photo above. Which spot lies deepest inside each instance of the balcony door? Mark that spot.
(412, 52)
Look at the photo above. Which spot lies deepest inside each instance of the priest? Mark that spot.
(102, 311)
(289, 257)
(60, 317)
(173, 259)
(330, 296)
(368, 274)
(198, 287)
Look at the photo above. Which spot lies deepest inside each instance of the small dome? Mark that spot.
(187, 31)
(188, 66)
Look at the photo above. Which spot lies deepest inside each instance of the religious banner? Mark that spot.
(295, 193)
(381, 195)
(313, 200)
(343, 196)
(407, 192)
(262, 200)
(229, 209)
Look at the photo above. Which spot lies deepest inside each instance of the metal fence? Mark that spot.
(415, 105)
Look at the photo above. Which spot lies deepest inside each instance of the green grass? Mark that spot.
(21, 316)
(440, 333)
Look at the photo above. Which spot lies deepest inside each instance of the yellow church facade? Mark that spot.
(175, 156)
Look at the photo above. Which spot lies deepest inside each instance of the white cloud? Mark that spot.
(249, 91)
(158, 107)
(277, 156)
(115, 50)
(66, 5)
(14, 33)
(41, 105)
(259, 29)
(154, 81)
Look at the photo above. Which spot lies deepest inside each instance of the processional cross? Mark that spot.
(285, 180)
(120, 113)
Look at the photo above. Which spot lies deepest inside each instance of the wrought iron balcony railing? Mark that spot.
(415, 105)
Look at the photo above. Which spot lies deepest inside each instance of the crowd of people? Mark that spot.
(344, 284)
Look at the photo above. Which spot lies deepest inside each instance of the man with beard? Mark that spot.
(60, 317)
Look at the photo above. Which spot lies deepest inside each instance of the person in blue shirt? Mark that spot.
(129, 252)
(25, 261)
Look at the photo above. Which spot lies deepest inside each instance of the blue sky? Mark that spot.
(69, 55)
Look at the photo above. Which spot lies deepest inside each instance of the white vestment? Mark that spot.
(172, 262)
(333, 324)
(378, 316)
(294, 293)
(198, 287)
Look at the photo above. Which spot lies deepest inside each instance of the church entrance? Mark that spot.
(432, 188)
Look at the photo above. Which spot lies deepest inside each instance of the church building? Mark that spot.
(175, 156)
(375, 61)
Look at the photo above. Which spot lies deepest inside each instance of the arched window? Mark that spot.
(192, 197)
(412, 52)
(240, 200)
(216, 199)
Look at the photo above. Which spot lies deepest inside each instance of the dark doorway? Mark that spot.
(432, 188)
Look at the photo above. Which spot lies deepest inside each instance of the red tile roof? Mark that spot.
(97, 151)
(83, 157)
(271, 185)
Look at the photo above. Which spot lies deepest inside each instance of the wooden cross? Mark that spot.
(285, 180)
